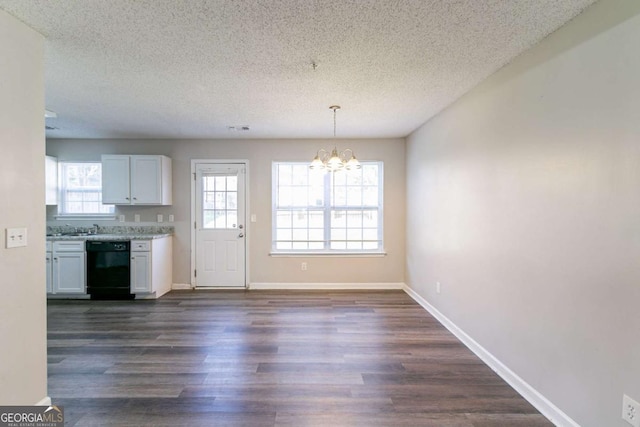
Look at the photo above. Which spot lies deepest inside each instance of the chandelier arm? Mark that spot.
(322, 154)
(344, 153)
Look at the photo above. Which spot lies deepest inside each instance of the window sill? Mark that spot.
(329, 254)
(88, 217)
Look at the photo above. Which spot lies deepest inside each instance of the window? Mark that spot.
(81, 190)
(220, 200)
(337, 212)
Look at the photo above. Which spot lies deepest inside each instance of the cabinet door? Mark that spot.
(140, 272)
(49, 273)
(69, 273)
(146, 180)
(116, 180)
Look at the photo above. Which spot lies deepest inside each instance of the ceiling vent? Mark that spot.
(239, 128)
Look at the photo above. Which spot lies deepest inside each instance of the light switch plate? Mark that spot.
(16, 237)
(160, 218)
(136, 217)
(171, 218)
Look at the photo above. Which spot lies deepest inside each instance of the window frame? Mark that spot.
(328, 209)
(61, 199)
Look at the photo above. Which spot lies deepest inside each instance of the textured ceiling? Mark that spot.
(191, 68)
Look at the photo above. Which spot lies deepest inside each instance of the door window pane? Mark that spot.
(219, 201)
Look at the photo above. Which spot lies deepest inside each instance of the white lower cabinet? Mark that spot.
(151, 267)
(140, 272)
(68, 268)
(49, 267)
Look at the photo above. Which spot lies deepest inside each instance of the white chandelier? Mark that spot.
(335, 161)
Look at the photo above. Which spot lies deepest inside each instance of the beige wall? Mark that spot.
(23, 352)
(524, 202)
(261, 154)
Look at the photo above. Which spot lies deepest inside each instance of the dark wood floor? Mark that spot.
(267, 358)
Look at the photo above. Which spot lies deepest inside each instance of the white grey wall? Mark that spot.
(261, 154)
(524, 202)
(23, 351)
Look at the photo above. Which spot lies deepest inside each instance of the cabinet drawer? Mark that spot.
(140, 246)
(72, 246)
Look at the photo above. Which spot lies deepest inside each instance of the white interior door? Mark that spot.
(219, 225)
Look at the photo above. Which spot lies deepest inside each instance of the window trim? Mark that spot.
(77, 216)
(355, 253)
(320, 254)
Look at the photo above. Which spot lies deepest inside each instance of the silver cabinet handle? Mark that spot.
(241, 235)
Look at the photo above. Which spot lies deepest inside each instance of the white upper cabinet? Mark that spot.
(51, 179)
(136, 180)
(115, 180)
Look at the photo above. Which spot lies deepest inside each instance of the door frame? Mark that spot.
(247, 228)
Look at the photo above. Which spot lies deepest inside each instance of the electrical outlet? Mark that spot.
(437, 287)
(303, 266)
(121, 218)
(136, 217)
(630, 411)
(254, 218)
(171, 218)
(160, 218)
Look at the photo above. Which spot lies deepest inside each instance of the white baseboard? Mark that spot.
(531, 395)
(44, 402)
(325, 286)
(180, 286)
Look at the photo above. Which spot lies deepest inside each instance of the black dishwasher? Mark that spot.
(108, 270)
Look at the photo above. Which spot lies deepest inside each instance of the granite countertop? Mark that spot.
(109, 237)
(108, 233)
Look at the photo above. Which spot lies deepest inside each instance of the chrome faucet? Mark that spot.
(96, 228)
